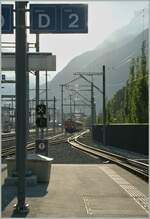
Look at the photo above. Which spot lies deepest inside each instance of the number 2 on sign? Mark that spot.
(74, 17)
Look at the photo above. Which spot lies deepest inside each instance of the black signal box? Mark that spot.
(41, 122)
(41, 109)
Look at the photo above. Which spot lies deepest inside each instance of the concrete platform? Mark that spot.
(85, 190)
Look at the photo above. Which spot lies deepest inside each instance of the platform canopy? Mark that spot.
(36, 62)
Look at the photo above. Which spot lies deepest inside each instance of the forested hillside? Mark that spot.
(130, 104)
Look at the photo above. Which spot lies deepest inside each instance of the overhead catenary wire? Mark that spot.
(142, 15)
(122, 62)
(78, 94)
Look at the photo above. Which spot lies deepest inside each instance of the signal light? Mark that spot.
(41, 109)
(41, 122)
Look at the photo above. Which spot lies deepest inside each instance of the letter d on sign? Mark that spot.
(44, 20)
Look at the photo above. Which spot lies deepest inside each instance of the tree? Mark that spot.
(130, 104)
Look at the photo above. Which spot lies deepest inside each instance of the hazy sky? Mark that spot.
(104, 17)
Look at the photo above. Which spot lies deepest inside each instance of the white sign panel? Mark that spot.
(36, 62)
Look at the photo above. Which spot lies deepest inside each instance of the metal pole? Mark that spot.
(62, 110)
(92, 105)
(57, 119)
(33, 113)
(12, 112)
(49, 115)
(42, 133)
(21, 69)
(33, 118)
(42, 129)
(74, 106)
(27, 98)
(54, 114)
(37, 85)
(29, 113)
(94, 113)
(46, 106)
(70, 108)
(104, 109)
(9, 110)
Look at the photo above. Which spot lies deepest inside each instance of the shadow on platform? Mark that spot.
(17, 214)
(8, 194)
(37, 191)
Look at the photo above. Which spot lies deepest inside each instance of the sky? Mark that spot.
(104, 17)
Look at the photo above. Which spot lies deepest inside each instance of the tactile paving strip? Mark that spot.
(138, 196)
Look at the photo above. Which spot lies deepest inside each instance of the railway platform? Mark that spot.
(83, 190)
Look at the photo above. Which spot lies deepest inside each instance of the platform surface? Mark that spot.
(83, 190)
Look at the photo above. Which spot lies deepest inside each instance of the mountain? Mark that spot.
(115, 52)
(122, 36)
(117, 61)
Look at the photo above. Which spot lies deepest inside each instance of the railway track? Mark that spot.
(9, 138)
(57, 139)
(11, 135)
(139, 168)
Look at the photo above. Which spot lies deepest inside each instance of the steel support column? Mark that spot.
(54, 118)
(37, 85)
(104, 109)
(21, 69)
(46, 104)
(62, 110)
(92, 105)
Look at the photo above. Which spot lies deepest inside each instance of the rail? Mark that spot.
(31, 145)
(136, 167)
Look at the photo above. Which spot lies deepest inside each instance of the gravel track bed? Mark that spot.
(65, 154)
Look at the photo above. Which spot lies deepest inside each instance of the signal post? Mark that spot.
(41, 122)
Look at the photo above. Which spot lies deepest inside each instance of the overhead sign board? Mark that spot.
(59, 18)
(36, 62)
(7, 19)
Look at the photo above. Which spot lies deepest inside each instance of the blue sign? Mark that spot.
(7, 19)
(59, 18)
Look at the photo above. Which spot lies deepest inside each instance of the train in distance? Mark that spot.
(71, 125)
